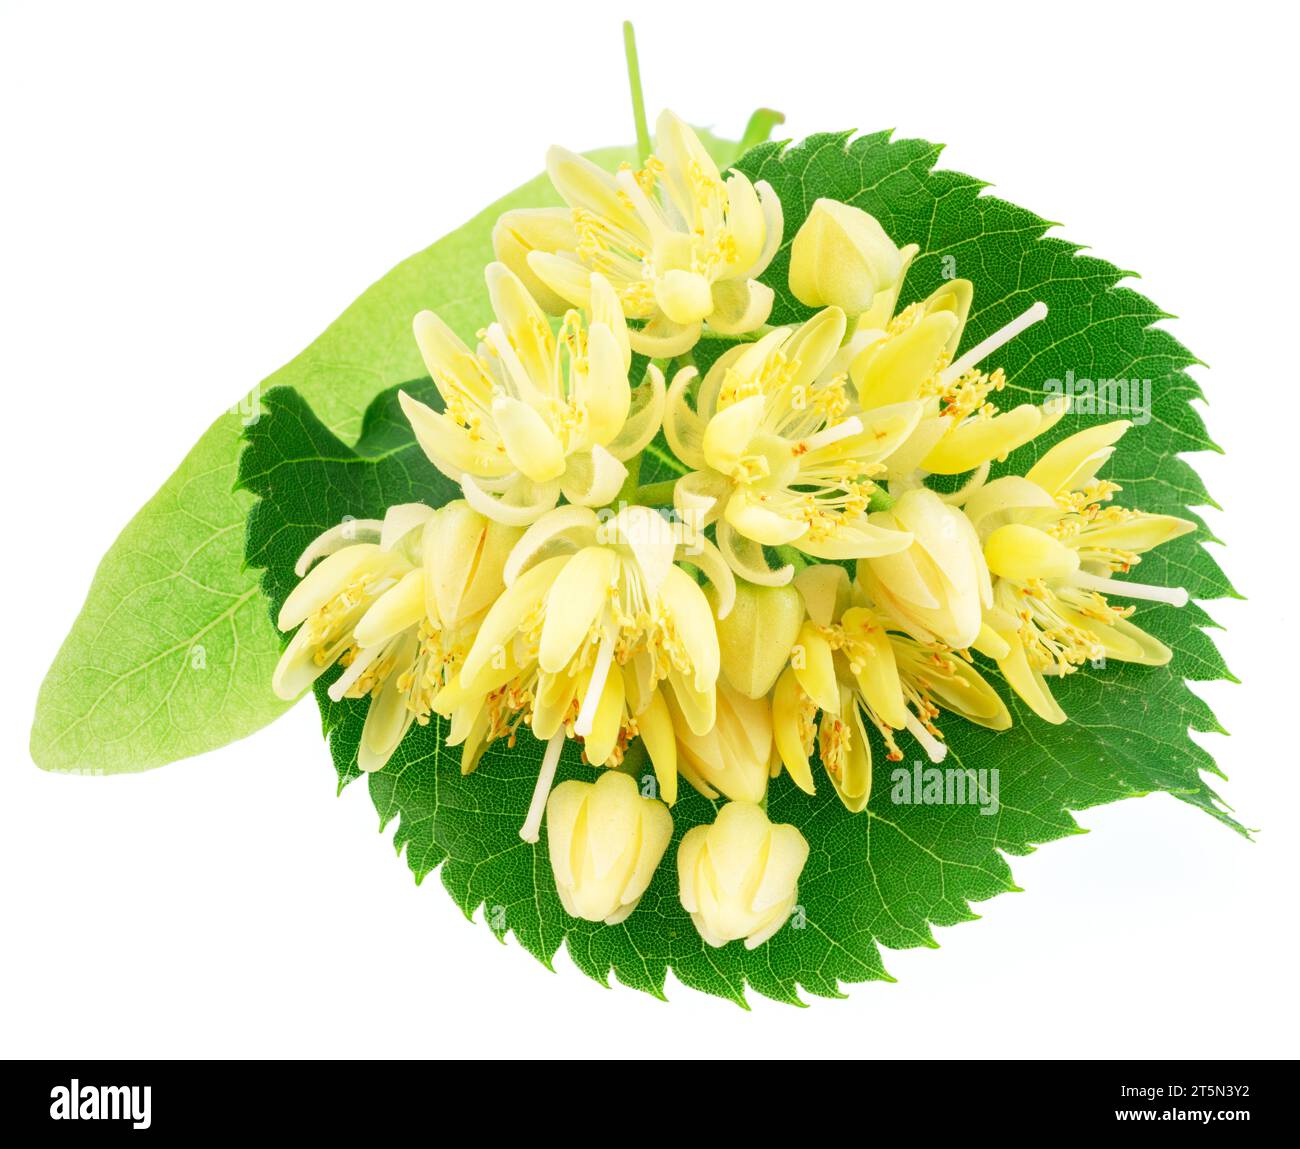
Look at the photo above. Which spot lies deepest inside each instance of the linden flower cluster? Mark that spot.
(799, 594)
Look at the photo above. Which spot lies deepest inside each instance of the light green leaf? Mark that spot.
(172, 652)
(886, 877)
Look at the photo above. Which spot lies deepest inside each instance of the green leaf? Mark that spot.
(172, 652)
(886, 877)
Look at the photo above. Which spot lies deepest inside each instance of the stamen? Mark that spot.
(934, 749)
(531, 830)
(1173, 595)
(986, 347)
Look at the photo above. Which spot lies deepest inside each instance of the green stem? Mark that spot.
(638, 100)
(627, 493)
(655, 494)
(881, 500)
(795, 558)
(759, 128)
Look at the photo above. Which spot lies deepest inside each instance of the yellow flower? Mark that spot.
(842, 257)
(1053, 545)
(397, 602)
(852, 667)
(909, 358)
(596, 618)
(605, 842)
(939, 586)
(739, 878)
(781, 457)
(681, 245)
(532, 414)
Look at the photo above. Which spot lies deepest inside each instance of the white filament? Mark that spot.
(531, 830)
(1173, 595)
(356, 668)
(934, 749)
(595, 686)
(999, 338)
(842, 430)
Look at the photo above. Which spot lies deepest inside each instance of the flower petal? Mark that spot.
(893, 370)
(297, 668)
(787, 852)
(656, 726)
(693, 621)
(814, 666)
(728, 435)
(450, 446)
(454, 368)
(506, 615)
(1022, 553)
(608, 721)
(746, 558)
(399, 608)
(980, 440)
(856, 539)
(683, 427)
(530, 443)
(329, 577)
(747, 223)
(853, 782)
(740, 306)
(523, 320)
(524, 230)
(787, 702)
(1139, 533)
(644, 417)
(606, 310)
(336, 538)
(561, 531)
(584, 185)
(522, 503)
(825, 590)
(877, 675)
(562, 275)
(577, 598)
(662, 338)
(1073, 462)
(593, 478)
(604, 393)
(747, 513)
(1028, 682)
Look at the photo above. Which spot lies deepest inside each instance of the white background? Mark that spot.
(189, 198)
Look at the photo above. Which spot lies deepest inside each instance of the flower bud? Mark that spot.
(735, 756)
(756, 636)
(464, 556)
(739, 878)
(605, 841)
(841, 256)
(937, 588)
